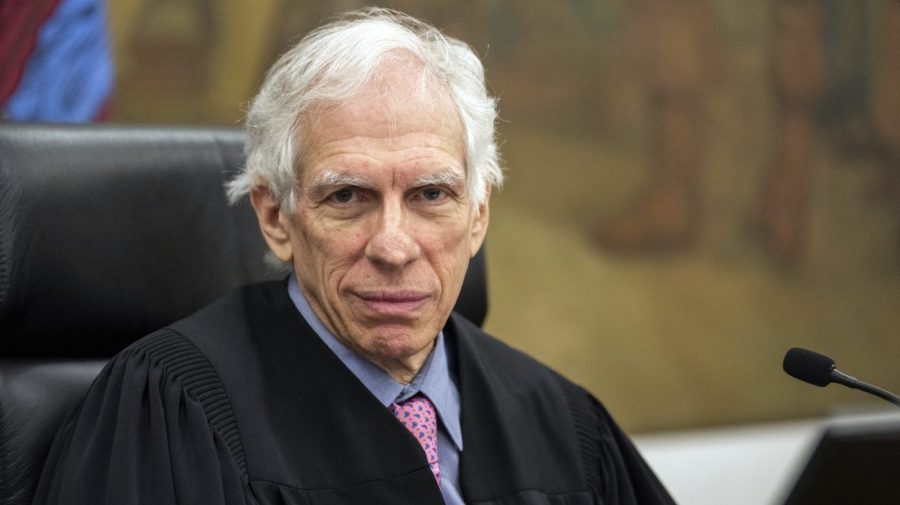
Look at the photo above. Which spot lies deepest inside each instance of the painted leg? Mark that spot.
(799, 81)
(680, 57)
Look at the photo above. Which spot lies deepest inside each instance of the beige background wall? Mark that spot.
(741, 158)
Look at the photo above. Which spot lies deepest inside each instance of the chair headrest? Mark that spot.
(109, 232)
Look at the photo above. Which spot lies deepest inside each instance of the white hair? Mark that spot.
(333, 64)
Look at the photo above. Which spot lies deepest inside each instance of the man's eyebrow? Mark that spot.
(329, 179)
(443, 178)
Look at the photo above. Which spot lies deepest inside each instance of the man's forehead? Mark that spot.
(401, 99)
(389, 114)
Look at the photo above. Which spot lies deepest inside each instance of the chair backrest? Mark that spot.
(106, 234)
(110, 233)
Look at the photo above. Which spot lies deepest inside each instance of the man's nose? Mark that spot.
(392, 244)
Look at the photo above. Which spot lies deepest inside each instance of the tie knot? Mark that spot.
(417, 414)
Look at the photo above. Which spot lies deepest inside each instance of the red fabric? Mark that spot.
(104, 113)
(20, 25)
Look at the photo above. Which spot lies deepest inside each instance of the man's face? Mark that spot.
(384, 228)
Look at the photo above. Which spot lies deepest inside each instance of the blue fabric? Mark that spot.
(433, 381)
(69, 77)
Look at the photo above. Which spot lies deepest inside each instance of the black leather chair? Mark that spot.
(106, 234)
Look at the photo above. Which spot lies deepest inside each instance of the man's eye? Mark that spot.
(344, 195)
(432, 194)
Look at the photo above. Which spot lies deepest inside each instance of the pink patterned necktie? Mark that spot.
(418, 416)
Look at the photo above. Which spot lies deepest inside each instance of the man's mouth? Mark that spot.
(393, 304)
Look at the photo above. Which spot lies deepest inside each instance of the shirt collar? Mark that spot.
(433, 380)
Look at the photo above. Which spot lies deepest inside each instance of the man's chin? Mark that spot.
(397, 343)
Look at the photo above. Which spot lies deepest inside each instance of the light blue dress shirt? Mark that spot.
(433, 381)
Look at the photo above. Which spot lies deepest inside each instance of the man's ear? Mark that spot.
(480, 223)
(272, 223)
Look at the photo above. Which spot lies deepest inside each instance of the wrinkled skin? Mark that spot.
(383, 228)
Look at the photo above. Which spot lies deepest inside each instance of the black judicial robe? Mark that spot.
(242, 403)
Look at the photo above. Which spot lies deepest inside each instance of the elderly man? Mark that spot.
(370, 164)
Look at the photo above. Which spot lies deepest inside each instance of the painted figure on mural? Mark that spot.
(677, 43)
(55, 61)
(682, 62)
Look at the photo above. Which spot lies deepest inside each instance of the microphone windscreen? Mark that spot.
(808, 366)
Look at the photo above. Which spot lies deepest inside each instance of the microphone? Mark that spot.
(821, 371)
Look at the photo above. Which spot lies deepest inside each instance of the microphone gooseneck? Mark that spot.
(819, 370)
